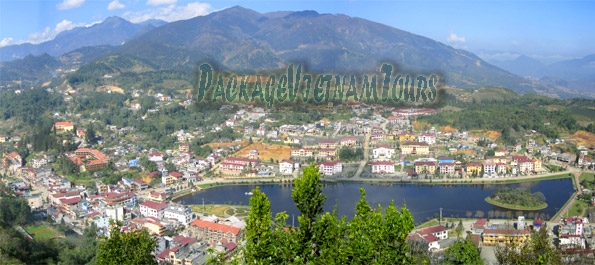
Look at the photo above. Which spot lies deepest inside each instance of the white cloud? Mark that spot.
(68, 4)
(6, 42)
(49, 34)
(170, 13)
(454, 38)
(161, 2)
(115, 5)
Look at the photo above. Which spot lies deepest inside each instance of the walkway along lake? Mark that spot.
(424, 201)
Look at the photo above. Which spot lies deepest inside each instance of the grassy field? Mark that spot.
(41, 232)
(222, 210)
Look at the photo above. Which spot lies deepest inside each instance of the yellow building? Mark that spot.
(473, 168)
(506, 235)
(414, 148)
(407, 137)
(425, 167)
(536, 165)
(154, 228)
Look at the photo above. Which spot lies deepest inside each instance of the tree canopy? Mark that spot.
(373, 236)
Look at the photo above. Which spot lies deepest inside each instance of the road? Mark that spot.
(366, 146)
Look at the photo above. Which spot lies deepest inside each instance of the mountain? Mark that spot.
(113, 31)
(574, 69)
(31, 67)
(522, 65)
(243, 40)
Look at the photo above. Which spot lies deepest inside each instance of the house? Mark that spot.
(135, 105)
(414, 148)
(489, 167)
(215, 231)
(383, 152)
(230, 123)
(331, 167)
(571, 232)
(407, 137)
(349, 141)
(80, 132)
(302, 152)
(63, 126)
(154, 228)
(427, 138)
(537, 165)
(156, 157)
(286, 167)
(446, 168)
(431, 236)
(156, 196)
(180, 213)
(242, 161)
(327, 153)
(501, 168)
(152, 209)
(328, 144)
(383, 167)
(497, 234)
(141, 184)
(425, 167)
(500, 152)
(473, 169)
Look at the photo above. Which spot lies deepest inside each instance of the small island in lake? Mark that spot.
(517, 199)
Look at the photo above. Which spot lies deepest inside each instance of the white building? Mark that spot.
(331, 167)
(115, 213)
(383, 167)
(427, 138)
(153, 209)
(286, 167)
(179, 213)
(383, 152)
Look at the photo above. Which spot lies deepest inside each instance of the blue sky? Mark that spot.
(546, 30)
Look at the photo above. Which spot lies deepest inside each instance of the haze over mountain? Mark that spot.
(245, 41)
(113, 31)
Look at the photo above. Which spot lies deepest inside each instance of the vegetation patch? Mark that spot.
(517, 199)
(41, 232)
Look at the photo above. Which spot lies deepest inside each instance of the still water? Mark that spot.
(424, 201)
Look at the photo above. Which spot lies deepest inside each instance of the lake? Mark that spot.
(424, 201)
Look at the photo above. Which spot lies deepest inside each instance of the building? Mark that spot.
(89, 159)
(302, 152)
(431, 236)
(498, 234)
(473, 169)
(447, 168)
(414, 148)
(383, 167)
(328, 144)
(152, 209)
(215, 231)
(428, 138)
(180, 213)
(331, 167)
(425, 167)
(383, 152)
(489, 167)
(407, 137)
(63, 126)
(349, 141)
(286, 167)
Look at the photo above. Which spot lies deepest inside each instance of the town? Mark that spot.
(373, 143)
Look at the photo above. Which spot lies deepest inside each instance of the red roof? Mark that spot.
(71, 201)
(431, 230)
(175, 174)
(154, 205)
(481, 222)
(216, 226)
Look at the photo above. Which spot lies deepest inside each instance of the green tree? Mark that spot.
(537, 250)
(132, 248)
(463, 251)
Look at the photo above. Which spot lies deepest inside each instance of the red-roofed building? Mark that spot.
(157, 196)
(89, 159)
(63, 126)
(215, 232)
(152, 209)
(330, 168)
(383, 167)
